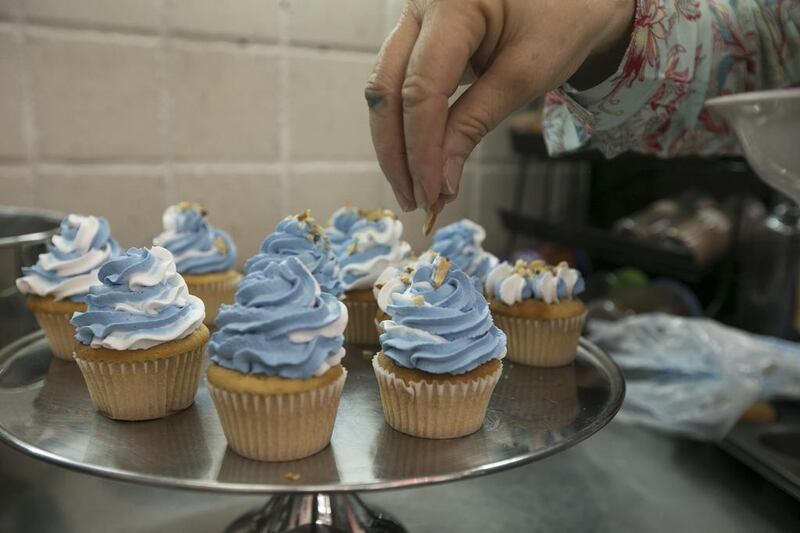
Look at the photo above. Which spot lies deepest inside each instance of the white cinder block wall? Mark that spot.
(252, 107)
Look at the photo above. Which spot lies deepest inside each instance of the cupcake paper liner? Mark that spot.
(540, 342)
(434, 410)
(143, 390)
(361, 322)
(278, 427)
(59, 332)
(214, 295)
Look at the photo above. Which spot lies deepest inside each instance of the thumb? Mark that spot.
(493, 97)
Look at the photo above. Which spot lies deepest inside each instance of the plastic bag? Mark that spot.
(693, 376)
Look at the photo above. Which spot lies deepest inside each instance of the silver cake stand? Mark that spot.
(45, 411)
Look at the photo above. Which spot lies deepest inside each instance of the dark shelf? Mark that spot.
(610, 247)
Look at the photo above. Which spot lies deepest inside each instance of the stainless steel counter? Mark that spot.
(623, 479)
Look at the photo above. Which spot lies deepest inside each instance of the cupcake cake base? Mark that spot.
(362, 310)
(268, 418)
(144, 384)
(53, 317)
(543, 343)
(435, 406)
(541, 334)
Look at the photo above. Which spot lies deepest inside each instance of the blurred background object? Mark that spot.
(23, 234)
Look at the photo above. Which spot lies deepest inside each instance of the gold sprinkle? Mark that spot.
(292, 476)
(374, 215)
(405, 278)
(192, 206)
(442, 269)
(409, 270)
(431, 220)
(304, 215)
(310, 237)
(351, 248)
(418, 300)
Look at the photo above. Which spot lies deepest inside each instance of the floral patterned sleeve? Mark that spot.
(682, 52)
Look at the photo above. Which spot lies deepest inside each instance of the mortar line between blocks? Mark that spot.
(29, 126)
(164, 108)
(284, 80)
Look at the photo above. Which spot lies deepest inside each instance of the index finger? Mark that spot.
(448, 38)
(385, 106)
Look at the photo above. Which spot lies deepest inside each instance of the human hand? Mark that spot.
(519, 49)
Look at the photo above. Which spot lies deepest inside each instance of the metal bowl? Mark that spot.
(23, 235)
(767, 124)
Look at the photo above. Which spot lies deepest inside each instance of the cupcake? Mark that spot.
(536, 306)
(300, 236)
(276, 376)
(440, 354)
(58, 283)
(142, 337)
(203, 255)
(462, 243)
(372, 243)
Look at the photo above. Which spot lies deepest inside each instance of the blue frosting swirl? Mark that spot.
(442, 330)
(69, 268)
(461, 242)
(280, 324)
(298, 236)
(197, 247)
(141, 302)
(341, 222)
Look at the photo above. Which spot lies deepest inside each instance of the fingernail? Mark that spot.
(419, 194)
(452, 174)
(405, 204)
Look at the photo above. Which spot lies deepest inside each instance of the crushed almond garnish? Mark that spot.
(406, 279)
(373, 215)
(191, 206)
(418, 300)
(537, 267)
(431, 220)
(442, 269)
(220, 244)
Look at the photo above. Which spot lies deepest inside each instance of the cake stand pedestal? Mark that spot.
(45, 411)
